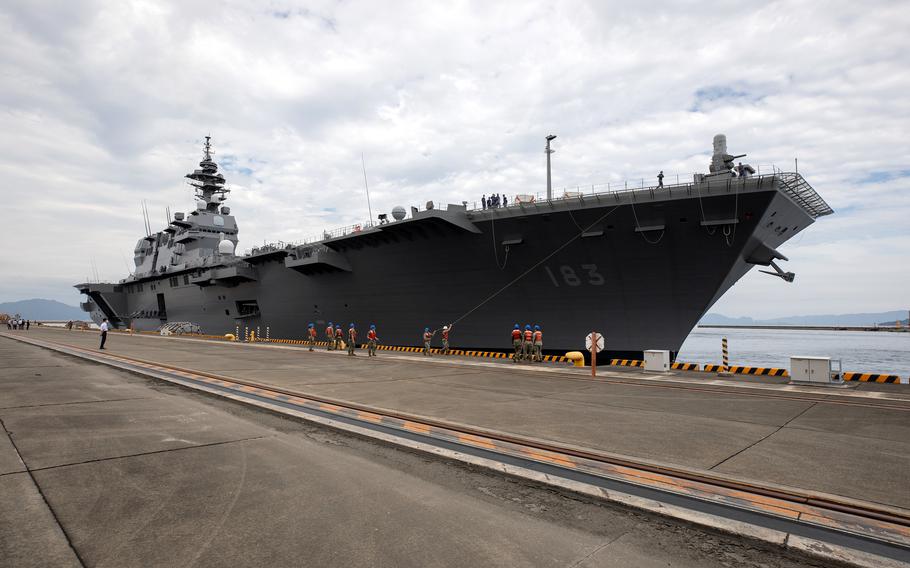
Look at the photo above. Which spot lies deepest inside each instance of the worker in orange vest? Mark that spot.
(516, 343)
(330, 337)
(311, 335)
(526, 343)
(352, 339)
(427, 339)
(372, 340)
(339, 337)
(537, 352)
(445, 339)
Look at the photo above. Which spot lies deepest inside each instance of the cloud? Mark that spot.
(106, 104)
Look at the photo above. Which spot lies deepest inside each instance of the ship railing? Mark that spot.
(790, 183)
(799, 190)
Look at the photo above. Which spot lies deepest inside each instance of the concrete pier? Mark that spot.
(103, 467)
(99, 467)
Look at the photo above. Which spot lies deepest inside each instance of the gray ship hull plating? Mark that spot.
(641, 267)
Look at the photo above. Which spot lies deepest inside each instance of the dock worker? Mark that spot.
(427, 339)
(516, 343)
(311, 335)
(339, 337)
(445, 339)
(537, 353)
(330, 337)
(104, 328)
(526, 344)
(372, 340)
(352, 340)
(660, 179)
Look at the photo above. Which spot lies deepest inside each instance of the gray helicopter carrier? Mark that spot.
(639, 265)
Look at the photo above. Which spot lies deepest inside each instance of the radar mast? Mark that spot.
(207, 181)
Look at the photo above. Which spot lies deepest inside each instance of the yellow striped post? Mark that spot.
(246, 333)
(726, 355)
(266, 333)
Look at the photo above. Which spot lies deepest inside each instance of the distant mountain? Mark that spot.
(828, 319)
(38, 309)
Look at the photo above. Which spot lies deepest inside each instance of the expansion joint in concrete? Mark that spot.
(765, 437)
(69, 541)
(140, 454)
(73, 403)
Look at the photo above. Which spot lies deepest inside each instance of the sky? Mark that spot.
(105, 104)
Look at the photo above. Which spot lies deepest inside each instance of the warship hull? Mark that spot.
(641, 267)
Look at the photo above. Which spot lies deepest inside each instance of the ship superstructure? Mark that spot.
(639, 265)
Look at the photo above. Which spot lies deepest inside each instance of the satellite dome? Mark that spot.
(200, 205)
(398, 212)
(225, 246)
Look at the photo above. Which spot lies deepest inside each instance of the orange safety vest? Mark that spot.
(445, 335)
(516, 334)
(352, 333)
(329, 331)
(338, 332)
(371, 335)
(538, 335)
(527, 335)
(427, 336)
(313, 333)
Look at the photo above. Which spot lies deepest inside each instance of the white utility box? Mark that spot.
(815, 369)
(657, 360)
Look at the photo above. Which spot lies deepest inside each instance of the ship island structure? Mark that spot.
(640, 266)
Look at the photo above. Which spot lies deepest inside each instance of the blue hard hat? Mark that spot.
(527, 327)
(537, 327)
(352, 325)
(372, 326)
(310, 324)
(330, 324)
(426, 329)
(516, 326)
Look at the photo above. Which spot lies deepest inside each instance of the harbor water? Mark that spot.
(861, 351)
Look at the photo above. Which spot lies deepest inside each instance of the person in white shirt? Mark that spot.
(104, 328)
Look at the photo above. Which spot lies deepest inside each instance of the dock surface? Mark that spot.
(99, 467)
(94, 460)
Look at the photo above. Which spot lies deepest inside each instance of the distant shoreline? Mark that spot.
(809, 327)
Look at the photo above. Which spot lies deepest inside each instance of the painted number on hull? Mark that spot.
(570, 277)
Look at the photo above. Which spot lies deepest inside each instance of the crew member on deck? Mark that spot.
(538, 344)
(330, 337)
(352, 340)
(372, 340)
(445, 340)
(528, 337)
(311, 335)
(427, 338)
(339, 337)
(516, 343)
(660, 179)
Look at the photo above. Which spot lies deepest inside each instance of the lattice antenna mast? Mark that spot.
(207, 181)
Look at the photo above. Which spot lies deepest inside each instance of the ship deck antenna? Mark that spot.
(363, 165)
(549, 180)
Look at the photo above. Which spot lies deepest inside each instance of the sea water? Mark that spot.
(860, 351)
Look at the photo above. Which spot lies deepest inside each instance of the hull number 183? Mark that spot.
(565, 274)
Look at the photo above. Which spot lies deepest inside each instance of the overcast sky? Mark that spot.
(105, 104)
